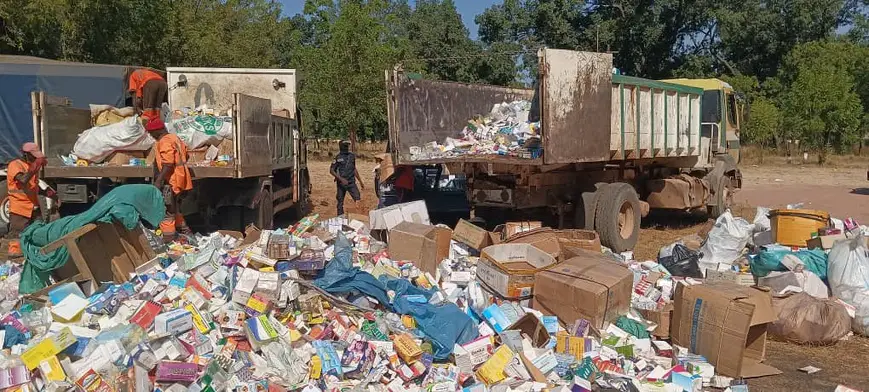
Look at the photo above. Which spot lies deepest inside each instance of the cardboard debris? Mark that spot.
(472, 235)
(233, 312)
(425, 245)
(589, 287)
(509, 269)
(727, 324)
(389, 217)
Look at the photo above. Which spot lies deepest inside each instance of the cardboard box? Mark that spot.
(740, 278)
(590, 286)
(544, 239)
(533, 327)
(661, 317)
(472, 235)
(825, 241)
(512, 228)
(425, 245)
(508, 269)
(727, 324)
(389, 217)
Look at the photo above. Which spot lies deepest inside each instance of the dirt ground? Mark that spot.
(843, 192)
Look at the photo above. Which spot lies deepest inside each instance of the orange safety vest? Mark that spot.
(22, 197)
(172, 150)
(141, 76)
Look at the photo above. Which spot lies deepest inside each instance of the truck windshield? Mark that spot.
(711, 112)
(731, 109)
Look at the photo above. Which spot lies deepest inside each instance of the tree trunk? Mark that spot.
(353, 138)
(761, 153)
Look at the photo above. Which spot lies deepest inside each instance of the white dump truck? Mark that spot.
(265, 166)
(613, 146)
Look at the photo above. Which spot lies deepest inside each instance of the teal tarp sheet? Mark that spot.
(126, 204)
(770, 259)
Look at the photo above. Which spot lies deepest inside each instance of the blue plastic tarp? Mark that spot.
(444, 324)
(83, 84)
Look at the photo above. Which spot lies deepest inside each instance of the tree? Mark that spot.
(763, 124)
(821, 104)
(343, 69)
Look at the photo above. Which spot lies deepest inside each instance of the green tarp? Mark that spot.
(125, 204)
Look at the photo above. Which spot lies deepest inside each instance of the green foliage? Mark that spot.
(343, 70)
(800, 63)
(821, 105)
(764, 123)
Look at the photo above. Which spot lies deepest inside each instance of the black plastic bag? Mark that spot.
(682, 262)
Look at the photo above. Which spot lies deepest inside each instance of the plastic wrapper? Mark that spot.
(201, 130)
(803, 281)
(808, 320)
(726, 241)
(682, 262)
(761, 220)
(848, 274)
(779, 258)
(97, 143)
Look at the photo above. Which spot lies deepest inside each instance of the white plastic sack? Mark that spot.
(97, 143)
(761, 220)
(848, 274)
(726, 241)
(197, 131)
(795, 282)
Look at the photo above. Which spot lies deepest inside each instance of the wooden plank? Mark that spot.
(284, 205)
(75, 234)
(281, 193)
(132, 241)
(79, 260)
(99, 171)
(212, 171)
(120, 262)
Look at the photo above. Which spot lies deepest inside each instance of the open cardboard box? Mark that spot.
(425, 245)
(726, 323)
(509, 269)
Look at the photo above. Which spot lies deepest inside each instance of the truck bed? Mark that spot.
(257, 147)
(587, 113)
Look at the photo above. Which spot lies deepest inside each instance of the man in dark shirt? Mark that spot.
(345, 173)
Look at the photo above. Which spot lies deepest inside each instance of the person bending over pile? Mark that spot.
(172, 177)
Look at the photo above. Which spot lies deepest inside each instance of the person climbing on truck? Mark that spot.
(172, 177)
(345, 173)
(149, 91)
(22, 180)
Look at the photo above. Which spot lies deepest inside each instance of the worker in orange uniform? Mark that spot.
(149, 91)
(172, 178)
(22, 180)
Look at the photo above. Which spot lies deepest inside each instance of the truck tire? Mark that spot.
(265, 211)
(617, 217)
(4, 208)
(303, 206)
(722, 200)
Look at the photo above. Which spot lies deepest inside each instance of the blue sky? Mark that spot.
(468, 8)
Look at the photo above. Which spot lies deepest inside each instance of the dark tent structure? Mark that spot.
(81, 83)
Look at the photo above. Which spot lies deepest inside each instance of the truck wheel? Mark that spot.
(723, 197)
(265, 211)
(617, 217)
(4, 208)
(303, 206)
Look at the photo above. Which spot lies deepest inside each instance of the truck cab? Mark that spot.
(721, 114)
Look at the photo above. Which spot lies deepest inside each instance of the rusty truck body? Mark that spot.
(614, 146)
(267, 166)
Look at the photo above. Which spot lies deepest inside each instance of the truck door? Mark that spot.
(253, 150)
(575, 105)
